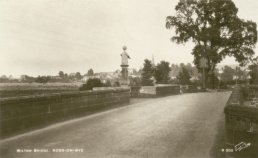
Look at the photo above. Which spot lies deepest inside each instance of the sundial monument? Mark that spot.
(124, 66)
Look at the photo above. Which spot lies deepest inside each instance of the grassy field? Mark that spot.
(26, 89)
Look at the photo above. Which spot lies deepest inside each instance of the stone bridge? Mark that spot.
(187, 125)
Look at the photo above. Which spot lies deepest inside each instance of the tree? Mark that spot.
(215, 29)
(90, 72)
(92, 82)
(241, 75)
(66, 76)
(147, 73)
(28, 79)
(42, 79)
(61, 74)
(213, 80)
(116, 84)
(227, 74)
(184, 76)
(78, 75)
(161, 72)
(3, 79)
(174, 70)
(107, 83)
(254, 72)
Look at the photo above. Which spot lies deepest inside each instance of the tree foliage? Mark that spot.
(161, 72)
(184, 76)
(241, 74)
(254, 72)
(215, 29)
(42, 79)
(147, 73)
(90, 72)
(175, 69)
(10, 79)
(227, 74)
(108, 83)
(78, 76)
(91, 83)
(61, 74)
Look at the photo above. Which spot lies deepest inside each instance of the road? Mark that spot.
(186, 126)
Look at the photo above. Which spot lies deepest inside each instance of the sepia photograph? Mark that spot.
(128, 79)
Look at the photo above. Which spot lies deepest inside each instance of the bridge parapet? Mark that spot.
(26, 112)
(155, 91)
(241, 117)
(240, 112)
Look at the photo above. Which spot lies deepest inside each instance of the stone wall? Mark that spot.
(241, 119)
(155, 91)
(21, 113)
(239, 115)
(163, 90)
(135, 91)
(148, 91)
(28, 92)
(188, 89)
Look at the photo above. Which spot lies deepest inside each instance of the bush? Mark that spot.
(116, 84)
(92, 82)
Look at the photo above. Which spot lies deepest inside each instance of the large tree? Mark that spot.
(215, 29)
(161, 72)
(254, 72)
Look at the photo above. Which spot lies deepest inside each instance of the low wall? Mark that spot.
(188, 89)
(162, 90)
(155, 91)
(239, 115)
(148, 91)
(135, 91)
(28, 92)
(236, 97)
(241, 118)
(21, 113)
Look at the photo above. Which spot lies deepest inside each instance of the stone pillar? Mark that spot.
(124, 78)
(124, 66)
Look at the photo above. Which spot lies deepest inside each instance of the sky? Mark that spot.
(42, 37)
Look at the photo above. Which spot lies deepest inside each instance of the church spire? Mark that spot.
(152, 61)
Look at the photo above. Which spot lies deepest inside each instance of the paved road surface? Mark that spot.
(175, 126)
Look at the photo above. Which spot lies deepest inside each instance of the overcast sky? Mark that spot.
(41, 37)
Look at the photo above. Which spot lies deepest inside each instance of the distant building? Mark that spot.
(55, 77)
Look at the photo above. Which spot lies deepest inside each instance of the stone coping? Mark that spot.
(61, 95)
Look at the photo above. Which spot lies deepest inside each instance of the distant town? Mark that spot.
(224, 73)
